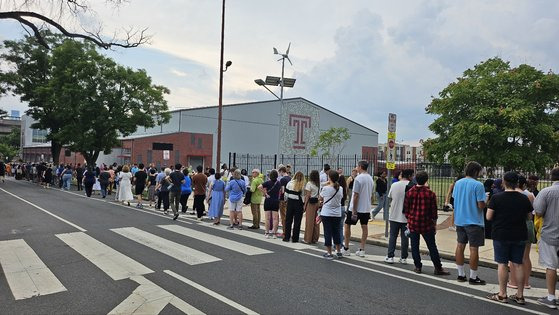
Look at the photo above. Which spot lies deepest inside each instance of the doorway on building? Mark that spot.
(194, 161)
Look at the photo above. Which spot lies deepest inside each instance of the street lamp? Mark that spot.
(220, 104)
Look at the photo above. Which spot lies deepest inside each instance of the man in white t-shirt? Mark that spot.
(359, 207)
(397, 219)
(324, 175)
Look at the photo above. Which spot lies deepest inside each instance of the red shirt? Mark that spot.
(420, 208)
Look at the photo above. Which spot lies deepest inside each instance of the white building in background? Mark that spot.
(404, 152)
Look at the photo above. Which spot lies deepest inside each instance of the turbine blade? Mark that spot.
(289, 60)
(287, 52)
(275, 51)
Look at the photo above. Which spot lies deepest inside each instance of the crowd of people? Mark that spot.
(503, 210)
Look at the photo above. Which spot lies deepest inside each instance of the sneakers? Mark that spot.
(417, 270)
(403, 261)
(389, 260)
(253, 227)
(176, 216)
(346, 252)
(230, 227)
(360, 253)
(545, 302)
(339, 255)
(462, 279)
(328, 256)
(477, 281)
(441, 272)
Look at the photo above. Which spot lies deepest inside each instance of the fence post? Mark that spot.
(338, 162)
(282, 158)
(307, 165)
(248, 169)
(234, 159)
(294, 159)
(262, 162)
(322, 160)
(275, 161)
(228, 161)
(355, 160)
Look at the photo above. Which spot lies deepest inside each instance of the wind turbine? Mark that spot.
(283, 57)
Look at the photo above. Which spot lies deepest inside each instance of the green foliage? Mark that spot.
(498, 116)
(3, 113)
(83, 98)
(331, 142)
(9, 145)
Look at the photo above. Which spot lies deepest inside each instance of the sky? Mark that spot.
(361, 59)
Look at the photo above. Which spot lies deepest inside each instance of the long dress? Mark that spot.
(218, 199)
(125, 187)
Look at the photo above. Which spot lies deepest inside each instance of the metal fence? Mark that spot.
(441, 175)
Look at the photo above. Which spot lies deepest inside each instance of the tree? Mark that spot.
(9, 144)
(29, 14)
(29, 76)
(498, 116)
(3, 113)
(104, 100)
(331, 143)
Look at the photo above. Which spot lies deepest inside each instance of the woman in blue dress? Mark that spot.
(217, 196)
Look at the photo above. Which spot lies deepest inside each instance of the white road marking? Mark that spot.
(45, 211)
(149, 298)
(488, 288)
(26, 274)
(216, 240)
(180, 252)
(115, 264)
(261, 237)
(211, 293)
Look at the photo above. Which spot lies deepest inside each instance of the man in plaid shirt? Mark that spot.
(420, 208)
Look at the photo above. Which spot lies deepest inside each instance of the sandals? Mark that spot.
(518, 300)
(497, 298)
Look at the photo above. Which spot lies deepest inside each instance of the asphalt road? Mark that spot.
(64, 253)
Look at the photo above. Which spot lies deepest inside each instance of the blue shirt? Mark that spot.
(186, 186)
(159, 177)
(133, 170)
(236, 188)
(467, 192)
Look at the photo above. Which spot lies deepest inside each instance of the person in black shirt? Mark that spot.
(79, 176)
(380, 191)
(176, 178)
(152, 182)
(508, 212)
(104, 181)
(140, 178)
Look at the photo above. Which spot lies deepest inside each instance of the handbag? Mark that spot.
(248, 196)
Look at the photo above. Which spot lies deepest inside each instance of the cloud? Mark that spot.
(178, 73)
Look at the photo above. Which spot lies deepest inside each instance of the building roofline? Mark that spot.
(270, 101)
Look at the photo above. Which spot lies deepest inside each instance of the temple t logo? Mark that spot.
(301, 123)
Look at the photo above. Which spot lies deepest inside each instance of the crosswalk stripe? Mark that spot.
(261, 237)
(211, 293)
(216, 240)
(180, 252)
(26, 274)
(115, 264)
(149, 298)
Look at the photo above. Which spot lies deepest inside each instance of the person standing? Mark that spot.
(2, 171)
(66, 177)
(312, 228)
(508, 212)
(324, 175)
(152, 182)
(350, 184)
(380, 192)
(160, 176)
(359, 208)
(88, 180)
(284, 179)
(186, 190)
(343, 185)
(293, 192)
(420, 209)
(199, 182)
(546, 205)
(397, 219)
(104, 181)
(125, 185)
(111, 179)
(236, 188)
(140, 178)
(255, 198)
(271, 190)
(163, 188)
(330, 214)
(469, 202)
(217, 194)
(177, 179)
(79, 176)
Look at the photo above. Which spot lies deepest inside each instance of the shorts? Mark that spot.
(506, 251)
(236, 206)
(139, 189)
(548, 256)
(363, 218)
(271, 204)
(472, 234)
(531, 232)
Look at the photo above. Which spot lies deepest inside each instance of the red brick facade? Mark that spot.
(34, 154)
(188, 149)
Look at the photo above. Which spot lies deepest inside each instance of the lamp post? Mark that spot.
(220, 104)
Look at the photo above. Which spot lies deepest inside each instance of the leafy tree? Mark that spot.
(9, 144)
(3, 113)
(103, 100)
(29, 77)
(499, 116)
(331, 143)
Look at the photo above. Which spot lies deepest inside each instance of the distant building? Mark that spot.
(404, 152)
(15, 113)
(9, 123)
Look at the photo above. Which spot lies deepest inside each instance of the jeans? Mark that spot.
(79, 180)
(199, 205)
(184, 199)
(331, 230)
(429, 238)
(103, 189)
(395, 228)
(67, 181)
(175, 199)
(380, 205)
(164, 197)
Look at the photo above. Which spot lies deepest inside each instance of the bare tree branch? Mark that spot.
(132, 39)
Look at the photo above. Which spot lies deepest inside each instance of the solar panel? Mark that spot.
(288, 82)
(273, 80)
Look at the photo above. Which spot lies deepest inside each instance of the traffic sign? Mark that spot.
(391, 150)
(391, 122)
